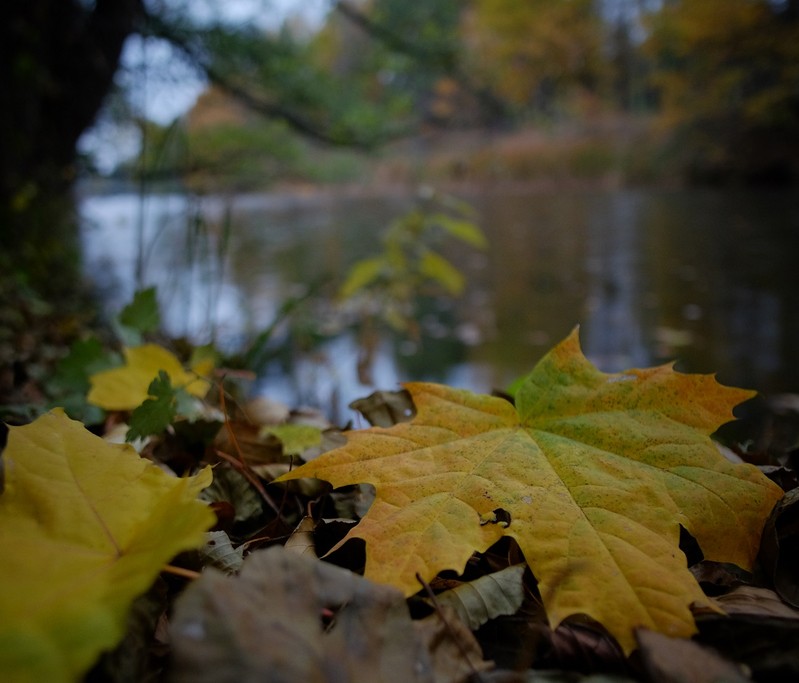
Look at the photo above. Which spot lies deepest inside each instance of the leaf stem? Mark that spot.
(251, 477)
(189, 574)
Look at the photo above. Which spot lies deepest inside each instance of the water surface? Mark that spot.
(702, 277)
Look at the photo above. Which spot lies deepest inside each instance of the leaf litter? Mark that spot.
(267, 609)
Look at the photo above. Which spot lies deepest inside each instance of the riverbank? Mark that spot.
(607, 152)
(610, 152)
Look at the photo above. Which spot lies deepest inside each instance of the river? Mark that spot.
(705, 278)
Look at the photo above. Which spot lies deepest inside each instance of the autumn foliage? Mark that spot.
(91, 526)
(591, 475)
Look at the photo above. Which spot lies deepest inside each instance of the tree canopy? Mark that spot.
(727, 76)
(721, 73)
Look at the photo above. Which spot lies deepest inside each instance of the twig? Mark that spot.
(189, 574)
(240, 464)
(228, 427)
(250, 476)
(475, 673)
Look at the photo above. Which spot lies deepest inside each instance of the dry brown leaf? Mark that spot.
(757, 602)
(677, 660)
(454, 652)
(287, 619)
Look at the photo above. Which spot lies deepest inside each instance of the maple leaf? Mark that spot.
(591, 473)
(127, 387)
(85, 528)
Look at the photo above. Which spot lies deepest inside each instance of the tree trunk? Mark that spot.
(57, 63)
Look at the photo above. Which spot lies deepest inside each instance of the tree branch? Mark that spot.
(489, 101)
(264, 106)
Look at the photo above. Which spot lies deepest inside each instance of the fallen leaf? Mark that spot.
(241, 439)
(301, 540)
(85, 527)
(591, 473)
(352, 502)
(385, 408)
(290, 618)
(579, 643)
(454, 652)
(677, 660)
(488, 597)
(231, 486)
(756, 602)
(780, 553)
(766, 645)
(716, 577)
(219, 552)
(140, 655)
(295, 438)
(126, 387)
(535, 676)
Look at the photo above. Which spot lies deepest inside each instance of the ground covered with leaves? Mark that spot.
(583, 526)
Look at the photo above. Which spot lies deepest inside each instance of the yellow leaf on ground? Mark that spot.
(85, 527)
(125, 388)
(591, 473)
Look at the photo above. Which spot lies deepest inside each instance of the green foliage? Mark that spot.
(410, 263)
(157, 412)
(726, 73)
(295, 438)
(429, 33)
(275, 73)
(722, 72)
(536, 51)
(69, 384)
(388, 288)
(141, 314)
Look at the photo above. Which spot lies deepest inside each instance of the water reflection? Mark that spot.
(702, 277)
(619, 301)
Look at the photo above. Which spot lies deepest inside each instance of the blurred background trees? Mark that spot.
(57, 64)
(719, 78)
(727, 75)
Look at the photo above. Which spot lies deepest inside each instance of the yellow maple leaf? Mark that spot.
(591, 473)
(85, 527)
(125, 388)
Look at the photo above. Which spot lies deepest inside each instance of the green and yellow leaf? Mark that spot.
(464, 230)
(85, 528)
(591, 473)
(437, 268)
(295, 438)
(126, 387)
(362, 274)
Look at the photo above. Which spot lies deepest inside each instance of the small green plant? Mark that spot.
(385, 288)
